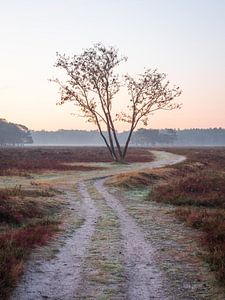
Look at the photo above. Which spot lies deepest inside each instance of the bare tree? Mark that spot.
(92, 84)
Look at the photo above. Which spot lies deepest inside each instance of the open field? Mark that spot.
(31, 209)
(21, 161)
(91, 239)
(196, 189)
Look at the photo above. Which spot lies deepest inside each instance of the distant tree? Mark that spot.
(167, 136)
(14, 134)
(92, 84)
(146, 137)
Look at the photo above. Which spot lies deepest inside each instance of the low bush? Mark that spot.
(18, 206)
(198, 189)
(212, 223)
(28, 217)
(15, 246)
(138, 178)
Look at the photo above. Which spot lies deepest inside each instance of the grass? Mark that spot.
(23, 161)
(19, 206)
(104, 276)
(135, 179)
(15, 246)
(212, 223)
(28, 217)
(205, 188)
(196, 189)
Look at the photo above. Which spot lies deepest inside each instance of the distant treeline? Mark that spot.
(17, 134)
(142, 137)
(14, 134)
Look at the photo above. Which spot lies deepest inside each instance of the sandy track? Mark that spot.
(60, 277)
(144, 278)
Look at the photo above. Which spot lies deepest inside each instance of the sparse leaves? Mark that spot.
(92, 85)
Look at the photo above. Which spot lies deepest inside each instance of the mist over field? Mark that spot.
(112, 150)
(142, 137)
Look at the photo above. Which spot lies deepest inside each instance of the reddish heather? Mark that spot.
(22, 160)
(15, 246)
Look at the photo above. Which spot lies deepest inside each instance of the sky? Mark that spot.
(183, 38)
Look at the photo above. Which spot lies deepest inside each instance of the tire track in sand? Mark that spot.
(60, 277)
(145, 281)
(144, 278)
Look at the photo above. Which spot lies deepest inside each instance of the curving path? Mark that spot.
(144, 279)
(60, 277)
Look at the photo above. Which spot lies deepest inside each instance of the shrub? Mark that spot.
(15, 247)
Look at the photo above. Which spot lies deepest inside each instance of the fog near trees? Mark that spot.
(14, 134)
(18, 135)
(141, 137)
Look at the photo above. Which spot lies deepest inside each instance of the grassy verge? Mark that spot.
(28, 217)
(24, 161)
(135, 179)
(196, 189)
(176, 251)
(212, 223)
(104, 275)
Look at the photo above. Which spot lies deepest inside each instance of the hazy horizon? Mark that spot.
(184, 39)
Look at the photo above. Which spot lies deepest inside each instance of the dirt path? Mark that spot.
(144, 278)
(61, 276)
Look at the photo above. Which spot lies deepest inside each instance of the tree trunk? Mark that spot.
(114, 157)
(115, 137)
(111, 142)
(127, 142)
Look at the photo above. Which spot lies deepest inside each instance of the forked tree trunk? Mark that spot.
(116, 152)
(118, 155)
(127, 143)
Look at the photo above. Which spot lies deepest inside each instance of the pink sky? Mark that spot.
(184, 39)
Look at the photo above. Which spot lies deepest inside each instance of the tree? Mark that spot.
(14, 134)
(146, 136)
(92, 84)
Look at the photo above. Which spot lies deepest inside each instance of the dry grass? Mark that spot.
(19, 206)
(202, 158)
(103, 272)
(212, 223)
(203, 188)
(139, 178)
(15, 247)
(27, 218)
(22, 161)
(198, 188)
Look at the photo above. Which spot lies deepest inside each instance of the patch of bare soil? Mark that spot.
(59, 277)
